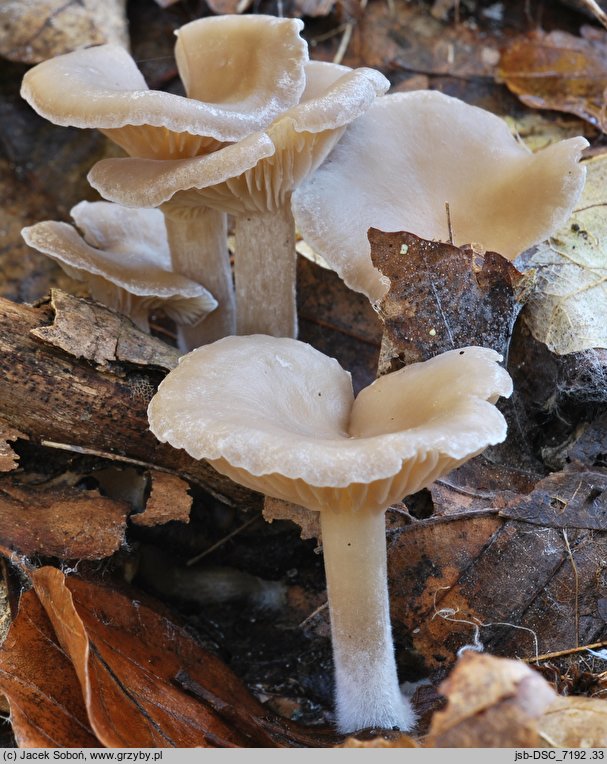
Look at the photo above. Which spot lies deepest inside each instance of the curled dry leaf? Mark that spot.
(441, 297)
(34, 30)
(147, 682)
(567, 308)
(61, 522)
(491, 703)
(557, 70)
(46, 704)
(169, 500)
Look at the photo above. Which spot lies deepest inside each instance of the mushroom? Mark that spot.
(240, 73)
(123, 256)
(280, 417)
(397, 167)
(258, 195)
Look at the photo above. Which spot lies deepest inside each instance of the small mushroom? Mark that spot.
(280, 417)
(240, 73)
(397, 167)
(123, 257)
(259, 195)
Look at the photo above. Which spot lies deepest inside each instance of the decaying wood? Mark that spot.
(51, 395)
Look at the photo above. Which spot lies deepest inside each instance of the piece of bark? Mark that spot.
(169, 500)
(9, 460)
(55, 397)
(90, 331)
(34, 30)
(441, 297)
(66, 522)
(46, 705)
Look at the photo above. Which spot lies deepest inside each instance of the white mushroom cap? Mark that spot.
(248, 68)
(411, 153)
(124, 258)
(280, 417)
(301, 138)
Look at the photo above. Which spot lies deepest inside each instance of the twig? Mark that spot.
(576, 578)
(312, 615)
(448, 210)
(223, 540)
(595, 9)
(343, 45)
(562, 653)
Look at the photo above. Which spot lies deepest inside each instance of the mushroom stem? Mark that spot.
(199, 250)
(366, 683)
(264, 272)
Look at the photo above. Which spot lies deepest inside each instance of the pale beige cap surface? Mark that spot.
(235, 179)
(249, 69)
(125, 250)
(280, 417)
(397, 166)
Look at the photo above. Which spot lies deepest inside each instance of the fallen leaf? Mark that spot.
(147, 682)
(338, 321)
(169, 500)
(491, 703)
(557, 70)
(46, 704)
(477, 579)
(564, 500)
(441, 297)
(64, 522)
(34, 30)
(574, 722)
(567, 306)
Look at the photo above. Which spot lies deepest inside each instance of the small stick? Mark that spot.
(308, 618)
(222, 541)
(562, 653)
(448, 210)
(577, 589)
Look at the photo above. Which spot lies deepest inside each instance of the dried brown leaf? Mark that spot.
(564, 500)
(574, 722)
(61, 522)
(559, 71)
(147, 682)
(169, 500)
(492, 703)
(34, 30)
(511, 587)
(46, 704)
(441, 297)
(338, 321)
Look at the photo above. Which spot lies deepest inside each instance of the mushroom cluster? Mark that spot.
(123, 257)
(260, 120)
(280, 417)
